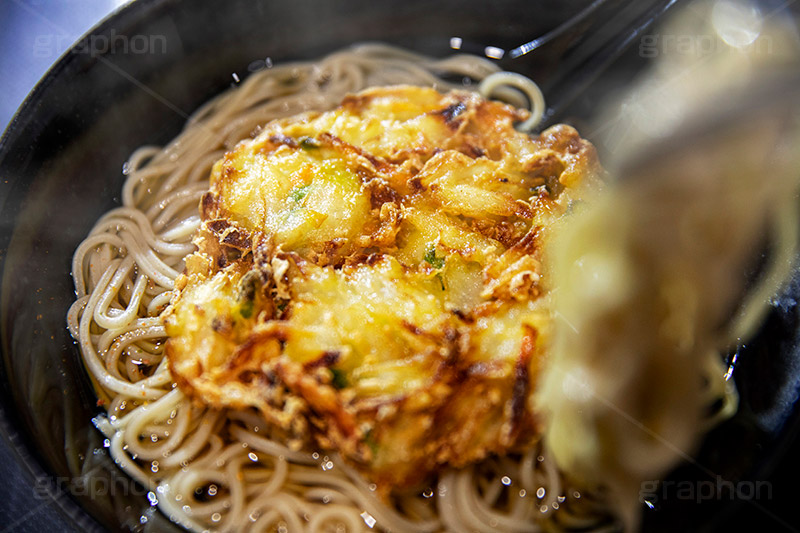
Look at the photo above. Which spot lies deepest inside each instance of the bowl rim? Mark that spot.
(33, 467)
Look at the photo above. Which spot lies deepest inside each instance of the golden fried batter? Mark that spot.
(370, 278)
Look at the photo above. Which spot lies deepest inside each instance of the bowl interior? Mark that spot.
(61, 167)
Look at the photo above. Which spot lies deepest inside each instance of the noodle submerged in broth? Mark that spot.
(328, 367)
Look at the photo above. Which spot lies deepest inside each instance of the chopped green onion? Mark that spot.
(339, 380)
(246, 309)
(299, 193)
(435, 262)
(309, 143)
(369, 440)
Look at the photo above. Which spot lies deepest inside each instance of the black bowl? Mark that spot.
(134, 79)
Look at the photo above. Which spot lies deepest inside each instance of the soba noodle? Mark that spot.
(229, 470)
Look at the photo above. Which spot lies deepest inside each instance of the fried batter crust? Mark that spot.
(370, 278)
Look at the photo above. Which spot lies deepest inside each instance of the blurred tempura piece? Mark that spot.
(652, 278)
